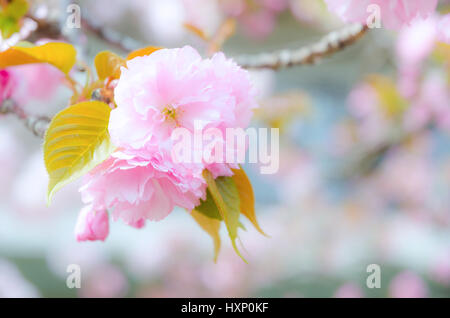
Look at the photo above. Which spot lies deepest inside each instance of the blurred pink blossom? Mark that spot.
(25, 84)
(258, 18)
(394, 13)
(349, 290)
(408, 285)
(363, 103)
(105, 281)
(440, 270)
(35, 82)
(432, 105)
(415, 43)
(413, 162)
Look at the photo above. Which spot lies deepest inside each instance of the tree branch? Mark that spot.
(114, 39)
(333, 42)
(37, 125)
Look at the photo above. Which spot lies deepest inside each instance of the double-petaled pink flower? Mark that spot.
(156, 94)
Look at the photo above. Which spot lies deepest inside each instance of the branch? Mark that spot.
(37, 125)
(114, 39)
(333, 42)
(44, 29)
(366, 159)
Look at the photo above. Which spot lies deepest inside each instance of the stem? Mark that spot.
(333, 42)
(37, 125)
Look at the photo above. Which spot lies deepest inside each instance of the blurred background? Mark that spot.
(364, 168)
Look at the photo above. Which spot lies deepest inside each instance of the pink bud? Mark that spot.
(92, 225)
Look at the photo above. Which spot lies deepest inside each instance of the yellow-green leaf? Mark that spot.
(226, 196)
(10, 15)
(108, 65)
(209, 208)
(391, 101)
(210, 226)
(61, 55)
(16, 8)
(143, 52)
(76, 142)
(8, 26)
(246, 197)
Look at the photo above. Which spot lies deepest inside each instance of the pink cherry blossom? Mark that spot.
(394, 13)
(138, 189)
(92, 225)
(169, 89)
(175, 88)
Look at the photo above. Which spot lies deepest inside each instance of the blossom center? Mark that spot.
(169, 112)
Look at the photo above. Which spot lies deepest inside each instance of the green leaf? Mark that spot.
(17, 9)
(210, 226)
(246, 197)
(391, 101)
(209, 208)
(8, 26)
(76, 142)
(226, 197)
(10, 16)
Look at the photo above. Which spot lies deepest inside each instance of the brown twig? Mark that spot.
(44, 29)
(37, 125)
(333, 42)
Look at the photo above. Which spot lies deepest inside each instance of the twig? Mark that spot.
(332, 43)
(44, 29)
(114, 39)
(37, 125)
(366, 159)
